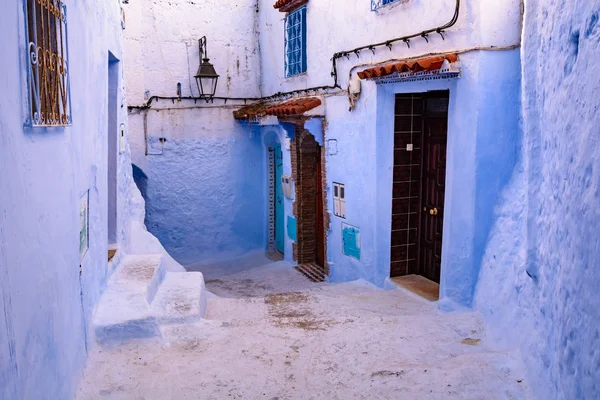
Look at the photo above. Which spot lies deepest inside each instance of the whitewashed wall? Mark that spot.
(203, 183)
(161, 43)
(339, 25)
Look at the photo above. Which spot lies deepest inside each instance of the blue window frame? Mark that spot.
(295, 42)
(375, 4)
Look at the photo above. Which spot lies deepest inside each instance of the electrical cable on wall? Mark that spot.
(334, 71)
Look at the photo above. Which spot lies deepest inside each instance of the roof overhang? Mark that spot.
(291, 108)
(289, 5)
(436, 67)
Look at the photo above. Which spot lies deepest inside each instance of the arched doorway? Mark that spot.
(310, 246)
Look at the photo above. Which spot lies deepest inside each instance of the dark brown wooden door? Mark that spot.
(420, 136)
(435, 138)
(319, 229)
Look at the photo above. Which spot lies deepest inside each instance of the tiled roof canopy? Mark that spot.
(288, 108)
(420, 65)
(289, 5)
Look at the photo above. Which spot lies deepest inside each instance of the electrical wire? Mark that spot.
(334, 71)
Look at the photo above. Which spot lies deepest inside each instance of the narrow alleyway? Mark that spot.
(272, 334)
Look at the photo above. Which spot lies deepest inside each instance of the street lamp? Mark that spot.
(207, 77)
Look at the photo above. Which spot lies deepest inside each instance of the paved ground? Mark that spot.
(272, 334)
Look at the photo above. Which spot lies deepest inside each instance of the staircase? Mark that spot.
(141, 296)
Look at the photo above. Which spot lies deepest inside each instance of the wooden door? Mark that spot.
(435, 137)
(319, 229)
(419, 173)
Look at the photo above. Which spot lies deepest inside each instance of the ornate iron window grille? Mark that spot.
(295, 42)
(48, 73)
(376, 4)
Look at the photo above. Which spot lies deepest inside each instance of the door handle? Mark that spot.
(433, 211)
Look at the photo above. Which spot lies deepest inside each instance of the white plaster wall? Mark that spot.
(161, 42)
(204, 183)
(339, 25)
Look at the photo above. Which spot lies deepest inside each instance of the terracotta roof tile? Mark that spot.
(294, 107)
(289, 5)
(288, 108)
(420, 65)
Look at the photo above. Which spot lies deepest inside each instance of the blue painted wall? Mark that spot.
(539, 282)
(45, 303)
(205, 195)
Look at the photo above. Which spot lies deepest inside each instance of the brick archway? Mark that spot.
(308, 172)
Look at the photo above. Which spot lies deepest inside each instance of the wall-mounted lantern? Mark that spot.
(207, 77)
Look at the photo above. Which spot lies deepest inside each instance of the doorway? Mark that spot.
(310, 245)
(112, 151)
(420, 140)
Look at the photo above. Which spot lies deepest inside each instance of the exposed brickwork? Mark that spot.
(294, 161)
(304, 156)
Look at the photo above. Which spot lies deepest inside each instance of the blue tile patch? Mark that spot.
(351, 240)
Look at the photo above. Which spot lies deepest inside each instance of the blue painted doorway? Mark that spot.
(279, 212)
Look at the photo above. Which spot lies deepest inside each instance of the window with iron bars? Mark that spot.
(375, 4)
(48, 77)
(295, 42)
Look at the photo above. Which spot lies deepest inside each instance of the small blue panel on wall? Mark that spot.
(291, 227)
(351, 240)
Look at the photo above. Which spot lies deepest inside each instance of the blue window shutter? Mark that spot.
(375, 4)
(295, 42)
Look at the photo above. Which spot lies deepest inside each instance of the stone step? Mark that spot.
(180, 299)
(122, 311)
(141, 295)
(141, 274)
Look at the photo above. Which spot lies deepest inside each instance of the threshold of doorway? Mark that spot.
(418, 285)
(312, 271)
(275, 255)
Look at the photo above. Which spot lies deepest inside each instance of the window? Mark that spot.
(48, 79)
(375, 4)
(295, 42)
(339, 200)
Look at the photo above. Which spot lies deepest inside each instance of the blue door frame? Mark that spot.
(279, 211)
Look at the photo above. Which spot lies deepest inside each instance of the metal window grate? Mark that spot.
(48, 78)
(295, 42)
(376, 4)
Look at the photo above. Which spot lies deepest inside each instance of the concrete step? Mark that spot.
(122, 311)
(141, 295)
(140, 274)
(180, 299)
